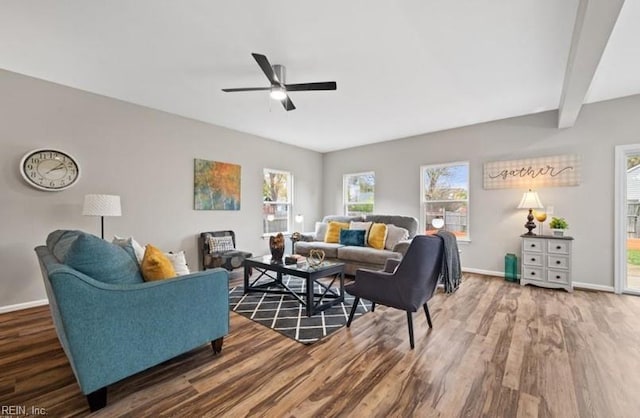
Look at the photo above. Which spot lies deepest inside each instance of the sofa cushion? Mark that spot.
(155, 265)
(321, 231)
(407, 222)
(352, 237)
(365, 226)
(220, 244)
(60, 241)
(395, 234)
(179, 262)
(366, 255)
(330, 249)
(377, 236)
(137, 248)
(102, 260)
(333, 231)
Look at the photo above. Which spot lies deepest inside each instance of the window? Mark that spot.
(277, 189)
(358, 192)
(445, 196)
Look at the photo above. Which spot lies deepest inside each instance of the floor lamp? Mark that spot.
(101, 205)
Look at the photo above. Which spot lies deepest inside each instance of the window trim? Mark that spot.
(345, 210)
(289, 203)
(423, 201)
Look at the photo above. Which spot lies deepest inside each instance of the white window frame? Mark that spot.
(266, 231)
(424, 201)
(345, 203)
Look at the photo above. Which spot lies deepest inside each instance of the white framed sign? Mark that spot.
(533, 173)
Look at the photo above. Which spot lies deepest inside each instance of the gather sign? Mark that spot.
(553, 171)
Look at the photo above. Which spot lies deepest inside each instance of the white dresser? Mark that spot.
(546, 261)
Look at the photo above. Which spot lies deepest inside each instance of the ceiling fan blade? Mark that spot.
(326, 85)
(263, 62)
(247, 89)
(288, 104)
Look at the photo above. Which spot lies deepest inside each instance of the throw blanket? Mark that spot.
(451, 273)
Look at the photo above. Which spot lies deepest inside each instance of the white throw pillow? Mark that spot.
(321, 231)
(366, 226)
(395, 234)
(179, 262)
(218, 244)
(137, 248)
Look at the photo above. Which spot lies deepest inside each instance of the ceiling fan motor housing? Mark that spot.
(280, 72)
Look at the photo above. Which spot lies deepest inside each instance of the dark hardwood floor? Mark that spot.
(496, 350)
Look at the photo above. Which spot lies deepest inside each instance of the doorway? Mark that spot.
(627, 210)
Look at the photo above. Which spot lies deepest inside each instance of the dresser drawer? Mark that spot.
(532, 273)
(556, 276)
(532, 259)
(532, 245)
(558, 262)
(557, 246)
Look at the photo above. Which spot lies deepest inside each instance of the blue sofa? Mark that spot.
(111, 329)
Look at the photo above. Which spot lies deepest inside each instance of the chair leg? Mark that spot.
(426, 312)
(410, 323)
(98, 399)
(217, 345)
(373, 306)
(356, 300)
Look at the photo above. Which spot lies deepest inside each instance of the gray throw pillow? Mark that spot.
(395, 234)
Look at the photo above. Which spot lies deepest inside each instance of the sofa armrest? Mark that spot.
(116, 330)
(402, 247)
(308, 236)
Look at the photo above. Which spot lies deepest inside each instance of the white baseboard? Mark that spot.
(577, 285)
(26, 305)
(485, 272)
(589, 286)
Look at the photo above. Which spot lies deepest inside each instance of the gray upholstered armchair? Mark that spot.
(406, 284)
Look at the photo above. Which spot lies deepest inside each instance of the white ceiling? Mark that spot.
(403, 68)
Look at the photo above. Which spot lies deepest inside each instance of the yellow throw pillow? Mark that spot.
(377, 236)
(155, 265)
(333, 231)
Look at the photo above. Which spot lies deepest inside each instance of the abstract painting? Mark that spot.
(216, 185)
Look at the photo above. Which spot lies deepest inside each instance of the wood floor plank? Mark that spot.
(496, 349)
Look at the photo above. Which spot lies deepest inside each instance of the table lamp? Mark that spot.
(531, 201)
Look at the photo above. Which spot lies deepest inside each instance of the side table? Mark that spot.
(546, 261)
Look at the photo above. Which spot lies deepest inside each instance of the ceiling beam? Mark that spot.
(595, 21)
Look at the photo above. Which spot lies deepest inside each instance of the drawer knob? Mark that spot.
(533, 273)
(557, 277)
(558, 262)
(533, 245)
(558, 247)
(533, 259)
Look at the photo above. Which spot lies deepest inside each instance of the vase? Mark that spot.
(557, 232)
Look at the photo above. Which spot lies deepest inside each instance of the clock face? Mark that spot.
(49, 170)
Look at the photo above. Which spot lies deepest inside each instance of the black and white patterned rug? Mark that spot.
(283, 313)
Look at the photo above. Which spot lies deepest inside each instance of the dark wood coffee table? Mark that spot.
(313, 301)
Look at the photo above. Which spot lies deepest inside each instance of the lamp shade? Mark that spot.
(530, 200)
(101, 205)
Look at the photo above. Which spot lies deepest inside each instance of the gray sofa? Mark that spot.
(356, 257)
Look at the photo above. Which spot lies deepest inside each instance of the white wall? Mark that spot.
(143, 155)
(495, 222)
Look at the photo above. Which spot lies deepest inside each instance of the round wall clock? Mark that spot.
(49, 169)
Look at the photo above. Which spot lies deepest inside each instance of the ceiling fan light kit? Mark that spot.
(276, 74)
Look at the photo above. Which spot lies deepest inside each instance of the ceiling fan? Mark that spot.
(276, 75)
